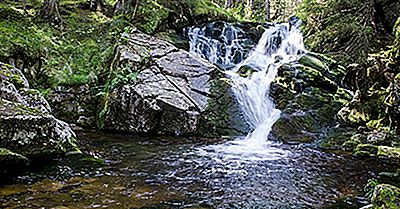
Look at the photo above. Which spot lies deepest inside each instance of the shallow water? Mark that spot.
(168, 172)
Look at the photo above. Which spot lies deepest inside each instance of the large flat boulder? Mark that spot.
(169, 94)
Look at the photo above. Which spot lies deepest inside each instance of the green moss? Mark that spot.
(73, 56)
(173, 38)
(366, 150)
(221, 115)
(313, 62)
(354, 141)
(389, 153)
(9, 158)
(13, 108)
(381, 152)
(339, 138)
(338, 28)
(386, 196)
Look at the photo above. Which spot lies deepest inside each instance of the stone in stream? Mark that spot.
(170, 93)
(27, 128)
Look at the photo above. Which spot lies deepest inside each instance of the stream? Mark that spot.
(170, 172)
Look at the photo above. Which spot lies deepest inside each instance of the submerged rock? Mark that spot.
(27, 128)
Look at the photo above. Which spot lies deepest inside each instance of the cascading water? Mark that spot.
(279, 44)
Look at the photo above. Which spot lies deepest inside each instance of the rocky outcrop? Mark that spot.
(74, 104)
(309, 94)
(168, 94)
(28, 131)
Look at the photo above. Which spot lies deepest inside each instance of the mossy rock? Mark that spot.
(339, 138)
(222, 116)
(385, 152)
(366, 150)
(245, 71)
(386, 196)
(354, 141)
(9, 74)
(296, 129)
(380, 152)
(172, 37)
(309, 93)
(9, 158)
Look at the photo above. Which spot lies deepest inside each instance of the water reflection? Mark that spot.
(188, 173)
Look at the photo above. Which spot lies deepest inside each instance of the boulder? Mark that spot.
(169, 93)
(27, 128)
(74, 104)
(309, 94)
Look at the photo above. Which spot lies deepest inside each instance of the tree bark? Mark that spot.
(228, 3)
(249, 8)
(267, 10)
(97, 5)
(51, 11)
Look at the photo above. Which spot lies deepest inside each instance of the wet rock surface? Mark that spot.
(27, 128)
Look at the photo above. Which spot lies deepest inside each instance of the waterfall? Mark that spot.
(279, 44)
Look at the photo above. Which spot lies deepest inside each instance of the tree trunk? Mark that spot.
(267, 10)
(128, 8)
(228, 3)
(51, 11)
(249, 8)
(97, 5)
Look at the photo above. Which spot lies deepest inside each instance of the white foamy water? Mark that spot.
(278, 45)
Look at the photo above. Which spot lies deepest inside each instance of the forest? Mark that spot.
(200, 104)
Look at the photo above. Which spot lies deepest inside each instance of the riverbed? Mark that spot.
(177, 172)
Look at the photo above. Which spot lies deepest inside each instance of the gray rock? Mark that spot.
(170, 94)
(26, 124)
(73, 104)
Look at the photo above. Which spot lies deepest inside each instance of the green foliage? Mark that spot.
(74, 56)
(370, 187)
(152, 16)
(343, 28)
(386, 196)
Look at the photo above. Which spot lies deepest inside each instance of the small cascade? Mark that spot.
(279, 44)
(221, 43)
